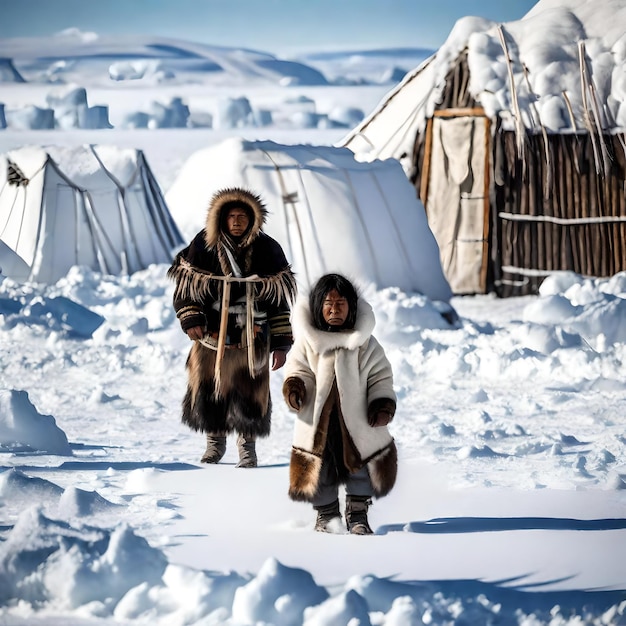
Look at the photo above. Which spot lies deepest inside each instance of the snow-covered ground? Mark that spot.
(510, 506)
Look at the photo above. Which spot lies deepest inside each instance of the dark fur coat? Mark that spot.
(231, 392)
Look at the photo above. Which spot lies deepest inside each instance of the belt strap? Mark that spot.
(250, 326)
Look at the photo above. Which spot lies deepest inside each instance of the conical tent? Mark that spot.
(94, 206)
(514, 136)
(329, 212)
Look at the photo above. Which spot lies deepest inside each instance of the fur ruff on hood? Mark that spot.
(326, 341)
(227, 199)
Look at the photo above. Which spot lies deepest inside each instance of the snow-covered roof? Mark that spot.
(560, 68)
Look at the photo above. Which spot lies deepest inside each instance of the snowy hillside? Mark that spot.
(152, 82)
(73, 55)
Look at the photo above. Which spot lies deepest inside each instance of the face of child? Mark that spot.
(335, 308)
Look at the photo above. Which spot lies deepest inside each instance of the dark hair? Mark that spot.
(318, 294)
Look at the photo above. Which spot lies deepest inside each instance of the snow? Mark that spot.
(510, 506)
(544, 51)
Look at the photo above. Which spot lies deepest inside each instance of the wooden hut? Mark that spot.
(514, 137)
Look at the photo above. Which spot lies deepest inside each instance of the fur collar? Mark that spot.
(323, 341)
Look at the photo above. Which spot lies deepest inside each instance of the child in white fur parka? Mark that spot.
(339, 382)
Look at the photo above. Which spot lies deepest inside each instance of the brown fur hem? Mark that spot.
(383, 470)
(304, 471)
(243, 404)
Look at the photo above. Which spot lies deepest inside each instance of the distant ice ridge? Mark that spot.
(163, 74)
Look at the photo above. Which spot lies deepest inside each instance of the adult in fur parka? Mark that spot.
(233, 292)
(340, 383)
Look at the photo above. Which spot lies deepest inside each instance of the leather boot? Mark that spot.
(215, 448)
(247, 451)
(356, 515)
(325, 515)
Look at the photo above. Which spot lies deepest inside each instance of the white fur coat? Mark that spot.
(358, 363)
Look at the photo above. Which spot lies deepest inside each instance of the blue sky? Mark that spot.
(278, 26)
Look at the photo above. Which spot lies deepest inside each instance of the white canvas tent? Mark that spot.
(329, 212)
(94, 206)
(514, 137)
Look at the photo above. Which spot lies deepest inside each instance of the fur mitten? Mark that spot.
(294, 392)
(381, 411)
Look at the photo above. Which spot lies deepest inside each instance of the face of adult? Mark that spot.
(335, 308)
(237, 222)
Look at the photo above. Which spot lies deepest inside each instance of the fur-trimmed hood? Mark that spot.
(225, 200)
(325, 341)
